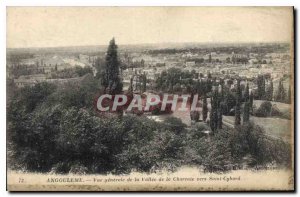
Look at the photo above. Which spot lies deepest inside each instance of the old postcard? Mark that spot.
(150, 98)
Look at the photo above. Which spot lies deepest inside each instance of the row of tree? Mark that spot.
(267, 93)
(219, 103)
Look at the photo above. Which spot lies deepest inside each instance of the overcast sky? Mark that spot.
(76, 26)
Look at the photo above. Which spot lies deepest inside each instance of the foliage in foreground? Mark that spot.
(54, 129)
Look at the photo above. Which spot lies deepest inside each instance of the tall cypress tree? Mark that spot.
(130, 89)
(271, 90)
(112, 78)
(220, 106)
(204, 108)
(283, 94)
(208, 85)
(246, 114)
(144, 83)
(209, 58)
(247, 93)
(280, 95)
(269, 93)
(214, 111)
(238, 105)
(220, 115)
(261, 87)
(251, 101)
(199, 88)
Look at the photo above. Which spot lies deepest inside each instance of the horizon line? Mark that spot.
(156, 43)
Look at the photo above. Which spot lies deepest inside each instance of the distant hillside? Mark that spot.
(153, 48)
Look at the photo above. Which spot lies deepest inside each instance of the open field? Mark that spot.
(276, 127)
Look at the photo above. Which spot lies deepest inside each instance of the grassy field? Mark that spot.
(276, 127)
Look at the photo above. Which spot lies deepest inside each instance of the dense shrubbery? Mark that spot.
(60, 139)
(263, 149)
(57, 133)
(247, 145)
(266, 109)
(55, 129)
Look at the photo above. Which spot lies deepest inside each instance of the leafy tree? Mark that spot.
(30, 97)
(198, 129)
(81, 71)
(228, 60)
(79, 95)
(101, 71)
(264, 110)
(177, 87)
(32, 136)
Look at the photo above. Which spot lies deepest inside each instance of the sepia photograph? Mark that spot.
(150, 98)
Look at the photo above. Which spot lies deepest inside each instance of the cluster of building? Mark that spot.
(276, 65)
(219, 65)
(39, 69)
